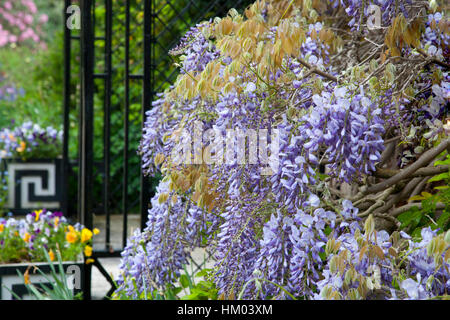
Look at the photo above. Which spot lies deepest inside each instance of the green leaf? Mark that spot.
(322, 176)
(416, 197)
(203, 273)
(192, 296)
(177, 290)
(440, 177)
(169, 294)
(443, 220)
(411, 218)
(417, 233)
(184, 280)
(13, 293)
(428, 205)
(328, 230)
(426, 195)
(442, 162)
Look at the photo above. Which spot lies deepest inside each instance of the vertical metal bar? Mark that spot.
(126, 123)
(66, 106)
(94, 22)
(147, 96)
(86, 126)
(107, 117)
(87, 111)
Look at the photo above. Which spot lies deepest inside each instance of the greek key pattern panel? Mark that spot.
(33, 186)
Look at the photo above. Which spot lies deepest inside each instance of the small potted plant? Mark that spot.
(27, 242)
(31, 158)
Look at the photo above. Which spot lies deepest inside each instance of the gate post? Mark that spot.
(86, 116)
(66, 112)
(85, 177)
(147, 96)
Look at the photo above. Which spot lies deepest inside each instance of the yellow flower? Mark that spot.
(38, 213)
(96, 231)
(27, 237)
(71, 237)
(56, 222)
(88, 251)
(2, 227)
(51, 255)
(86, 235)
(22, 147)
(89, 261)
(71, 228)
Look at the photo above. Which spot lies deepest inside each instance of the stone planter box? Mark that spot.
(9, 278)
(34, 184)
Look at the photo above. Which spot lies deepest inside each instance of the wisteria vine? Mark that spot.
(333, 108)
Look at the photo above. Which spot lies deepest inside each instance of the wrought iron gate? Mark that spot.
(114, 65)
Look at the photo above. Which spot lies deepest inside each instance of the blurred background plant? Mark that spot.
(8, 91)
(32, 79)
(21, 23)
(30, 141)
(32, 69)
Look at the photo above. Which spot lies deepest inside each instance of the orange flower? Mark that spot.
(2, 227)
(71, 237)
(51, 255)
(27, 237)
(22, 147)
(26, 277)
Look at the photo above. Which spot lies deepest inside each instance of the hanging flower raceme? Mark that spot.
(153, 258)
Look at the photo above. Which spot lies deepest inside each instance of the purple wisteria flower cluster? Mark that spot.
(196, 51)
(30, 141)
(374, 265)
(437, 42)
(282, 222)
(154, 257)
